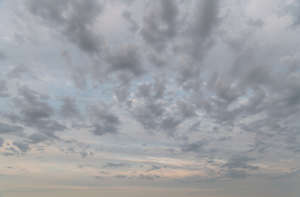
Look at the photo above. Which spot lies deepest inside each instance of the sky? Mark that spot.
(181, 98)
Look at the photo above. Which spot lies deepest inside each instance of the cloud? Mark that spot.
(293, 10)
(1, 142)
(35, 112)
(133, 24)
(69, 108)
(115, 165)
(22, 146)
(202, 28)
(10, 129)
(73, 19)
(3, 89)
(103, 121)
(36, 138)
(18, 71)
(212, 86)
(196, 147)
(126, 60)
(2, 56)
(160, 23)
(237, 167)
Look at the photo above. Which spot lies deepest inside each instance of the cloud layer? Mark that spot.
(165, 91)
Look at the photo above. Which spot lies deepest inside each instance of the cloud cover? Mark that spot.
(206, 90)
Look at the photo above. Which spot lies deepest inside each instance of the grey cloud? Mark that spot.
(201, 30)
(170, 124)
(105, 128)
(22, 146)
(238, 167)
(207, 18)
(196, 147)
(10, 151)
(69, 108)
(241, 90)
(37, 138)
(84, 154)
(152, 111)
(141, 177)
(198, 40)
(240, 162)
(127, 60)
(77, 72)
(134, 26)
(160, 25)
(148, 177)
(115, 165)
(9, 129)
(2, 56)
(149, 114)
(187, 110)
(3, 89)
(103, 121)
(18, 71)
(35, 112)
(73, 18)
(154, 167)
(157, 60)
(1, 142)
(293, 9)
(152, 91)
(121, 177)
(236, 174)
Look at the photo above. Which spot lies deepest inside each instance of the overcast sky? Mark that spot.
(181, 98)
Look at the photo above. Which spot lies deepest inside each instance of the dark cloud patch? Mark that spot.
(35, 112)
(206, 18)
(160, 24)
(18, 71)
(10, 129)
(141, 177)
(134, 26)
(103, 121)
(73, 18)
(240, 162)
(37, 138)
(2, 56)
(238, 167)
(3, 89)
(202, 28)
(10, 151)
(197, 41)
(196, 147)
(236, 174)
(154, 168)
(1, 142)
(85, 154)
(293, 9)
(148, 177)
(115, 165)
(122, 177)
(126, 60)
(69, 109)
(22, 146)
(148, 114)
(155, 114)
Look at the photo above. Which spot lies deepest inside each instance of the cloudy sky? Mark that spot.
(183, 98)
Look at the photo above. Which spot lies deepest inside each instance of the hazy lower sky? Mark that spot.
(143, 98)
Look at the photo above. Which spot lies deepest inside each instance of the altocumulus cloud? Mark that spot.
(195, 91)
